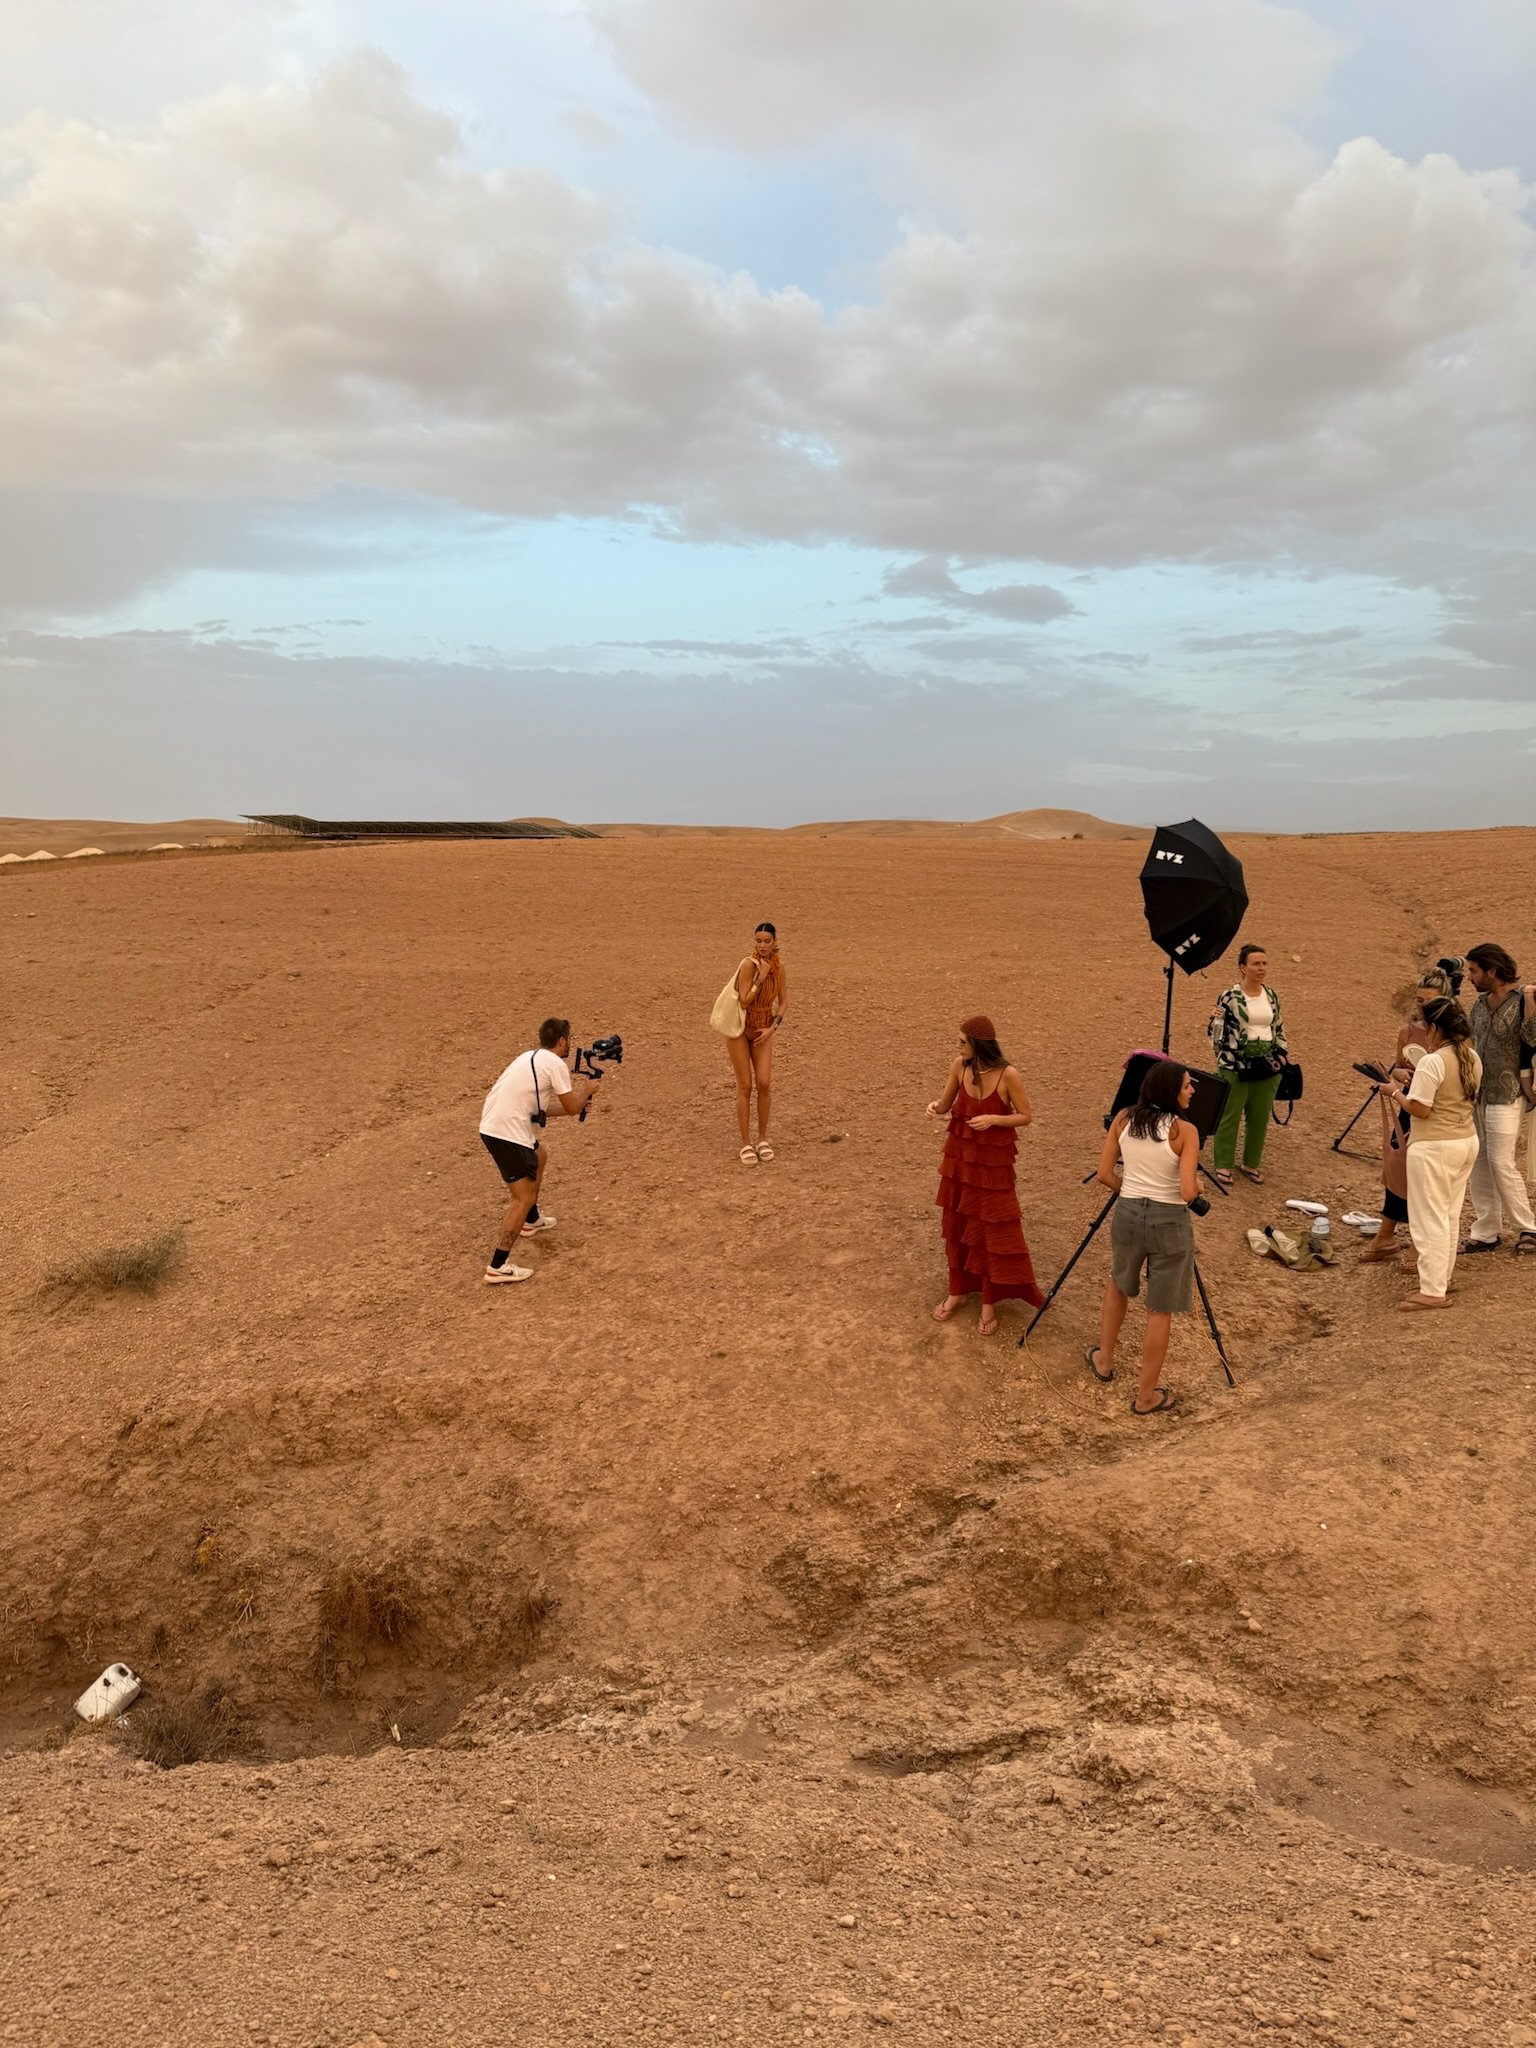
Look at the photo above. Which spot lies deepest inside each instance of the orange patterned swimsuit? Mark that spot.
(769, 999)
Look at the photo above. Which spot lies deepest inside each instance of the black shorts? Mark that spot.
(1394, 1207)
(513, 1162)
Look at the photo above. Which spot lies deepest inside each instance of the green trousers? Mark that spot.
(1248, 1103)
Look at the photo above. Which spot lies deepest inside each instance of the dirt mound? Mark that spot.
(714, 1503)
(64, 835)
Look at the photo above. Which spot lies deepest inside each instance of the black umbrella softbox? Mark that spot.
(1194, 894)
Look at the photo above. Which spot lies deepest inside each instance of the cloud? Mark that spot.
(170, 724)
(1028, 603)
(1279, 639)
(1126, 313)
(738, 650)
(1007, 648)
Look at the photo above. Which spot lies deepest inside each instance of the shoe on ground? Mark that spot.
(544, 1223)
(507, 1275)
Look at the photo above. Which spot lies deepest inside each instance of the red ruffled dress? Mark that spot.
(983, 1231)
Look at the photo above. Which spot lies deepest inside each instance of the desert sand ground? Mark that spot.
(701, 1644)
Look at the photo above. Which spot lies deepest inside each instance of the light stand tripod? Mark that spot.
(1088, 1237)
(1338, 1143)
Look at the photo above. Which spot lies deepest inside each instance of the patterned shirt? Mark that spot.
(1229, 1028)
(1498, 1033)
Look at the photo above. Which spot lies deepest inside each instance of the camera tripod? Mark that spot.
(1338, 1143)
(1088, 1237)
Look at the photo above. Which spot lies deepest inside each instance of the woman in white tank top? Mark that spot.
(1149, 1160)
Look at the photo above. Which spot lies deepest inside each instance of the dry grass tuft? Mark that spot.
(132, 1268)
(357, 1608)
(531, 1613)
(202, 1729)
(361, 1605)
(822, 1856)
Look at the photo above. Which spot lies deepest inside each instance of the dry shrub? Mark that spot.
(357, 1608)
(203, 1728)
(362, 1605)
(132, 1268)
(530, 1614)
(822, 1856)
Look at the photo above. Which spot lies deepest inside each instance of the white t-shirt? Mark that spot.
(509, 1107)
(1261, 1015)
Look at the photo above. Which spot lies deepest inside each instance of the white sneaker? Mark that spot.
(506, 1276)
(544, 1223)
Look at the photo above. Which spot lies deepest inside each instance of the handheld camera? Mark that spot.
(591, 1059)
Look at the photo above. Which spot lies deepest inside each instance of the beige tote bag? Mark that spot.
(728, 1017)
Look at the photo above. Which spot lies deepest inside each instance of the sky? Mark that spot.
(755, 411)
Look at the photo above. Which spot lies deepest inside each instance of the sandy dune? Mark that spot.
(64, 835)
(897, 1685)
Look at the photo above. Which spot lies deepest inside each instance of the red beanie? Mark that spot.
(978, 1027)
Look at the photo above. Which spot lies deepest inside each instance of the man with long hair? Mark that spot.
(1503, 1023)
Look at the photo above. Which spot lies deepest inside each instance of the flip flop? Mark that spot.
(1412, 1302)
(1090, 1353)
(1220, 1175)
(1166, 1399)
(1253, 1173)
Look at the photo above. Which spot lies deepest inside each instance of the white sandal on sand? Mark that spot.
(765, 1151)
(748, 1156)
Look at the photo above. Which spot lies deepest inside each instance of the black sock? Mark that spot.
(499, 1258)
(533, 1214)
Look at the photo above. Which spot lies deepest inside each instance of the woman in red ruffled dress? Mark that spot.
(985, 1102)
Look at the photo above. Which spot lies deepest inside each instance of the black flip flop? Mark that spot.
(1166, 1399)
(1090, 1353)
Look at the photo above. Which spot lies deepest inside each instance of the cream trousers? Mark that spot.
(1438, 1172)
(1498, 1185)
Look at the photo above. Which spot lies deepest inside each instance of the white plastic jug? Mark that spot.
(112, 1694)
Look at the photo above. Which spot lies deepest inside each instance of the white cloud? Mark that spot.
(1129, 314)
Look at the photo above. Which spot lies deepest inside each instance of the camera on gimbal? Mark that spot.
(591, 1059)
(586, 1058)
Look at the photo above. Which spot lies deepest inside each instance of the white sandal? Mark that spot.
(748, 1156)
(765, 1151)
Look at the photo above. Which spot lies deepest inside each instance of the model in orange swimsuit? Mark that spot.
(763, 990)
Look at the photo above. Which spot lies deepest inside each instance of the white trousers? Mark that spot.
(1438, 1172)
(1498, 1186)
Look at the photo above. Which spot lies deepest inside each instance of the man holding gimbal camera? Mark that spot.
(536, 1086)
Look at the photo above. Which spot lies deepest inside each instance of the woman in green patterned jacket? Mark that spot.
(1248, 1035)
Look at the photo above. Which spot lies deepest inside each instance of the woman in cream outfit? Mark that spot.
(1442, 1147)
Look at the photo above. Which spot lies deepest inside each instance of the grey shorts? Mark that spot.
(1161, 1237)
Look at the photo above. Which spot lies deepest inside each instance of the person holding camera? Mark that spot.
(1443, 1146)
(1149, 1160)
(1248, 1037)
(536, 1086)
(1503, 1029)
(1396, 1124)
